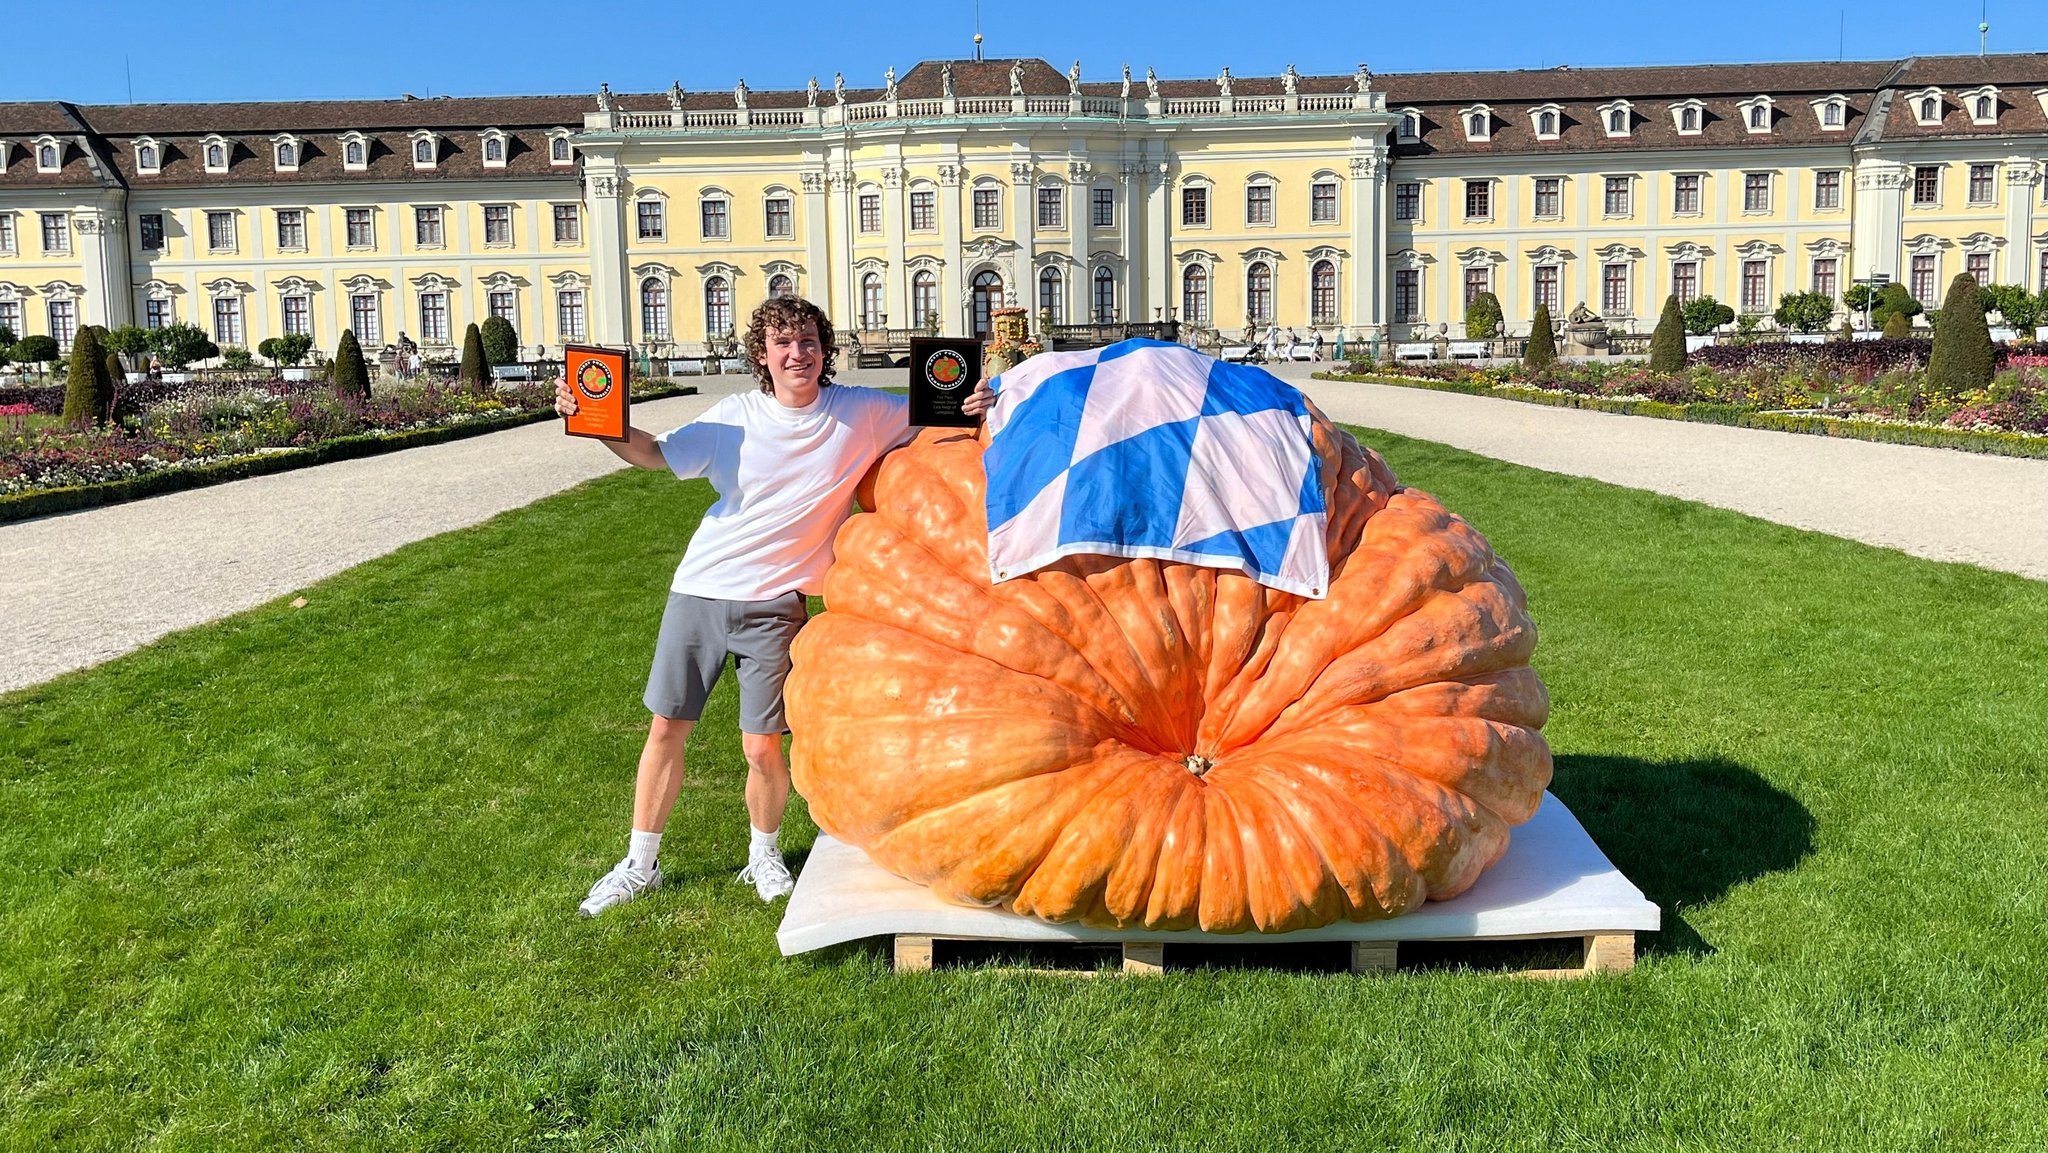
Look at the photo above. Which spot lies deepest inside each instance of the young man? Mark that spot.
(785, 460)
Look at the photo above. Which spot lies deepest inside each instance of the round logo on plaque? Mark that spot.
(594, 380)
(945, 369)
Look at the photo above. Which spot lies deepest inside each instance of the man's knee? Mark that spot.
(763, 752)
(668, 730)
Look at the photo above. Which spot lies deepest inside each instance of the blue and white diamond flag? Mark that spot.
(1148, 449)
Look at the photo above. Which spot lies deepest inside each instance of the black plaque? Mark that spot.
(944, 372)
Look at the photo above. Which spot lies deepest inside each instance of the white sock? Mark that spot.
(765, 842)
(644, 849)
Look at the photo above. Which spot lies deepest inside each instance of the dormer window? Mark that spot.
(213, 151)
(1411, 124)
(49, 154)
(1618, 119)
(355, 152)
(1478, 123)
(149, 157)
(426, 149)
(494, 148)
(1927, 107)
(1757, 112)
(1983, 105)
(285, 151)
(559, 149)
(1688, 116)
(1546, 119)
(1832, 112)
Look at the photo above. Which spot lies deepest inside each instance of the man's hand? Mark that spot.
(565, 397)
(979, 401)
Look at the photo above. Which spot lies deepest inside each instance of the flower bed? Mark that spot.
(2010, 417)
(180, 436)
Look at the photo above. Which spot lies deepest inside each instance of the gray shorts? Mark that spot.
(689, 654)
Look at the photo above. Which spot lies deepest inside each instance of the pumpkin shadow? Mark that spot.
(1684, 831)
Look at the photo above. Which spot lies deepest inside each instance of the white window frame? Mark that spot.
(1485, 115)
(707, 197)
(375, 337)
(1749, 109)
(1916, 103)
(1841, 176)
(236, 317)
(63, 232)
(1556, 114)
(974, 194)
(1970, 186)
(922, 188)
(163, 236)
(1763, 299)
(1770, 193)
(561, 138)
(572, 325)
(1492, 198)
(227, 154)
(1052, 293)
(154, 166)
(1699, 117)
(555, 223)
(1411, 124)
(10, 237)
(1207, 188)
(355, 140)
(1970, 100)
(1913, 186)
(1329, 180)
(234, 243)
(641, 201)
(769, 196)
(440, 217)
(1271, 187)
(1840, 104)
(1057, 202)
(499, 137)
(284, 310)
(58, 150)
(1628, 195)
(1628, 288)
(348, 239)
(278, 144)
(508, 240)
(280, 215)
(1536, 198)
(1628, 119)
(1420, 202)
(447, 332)
(433, 142)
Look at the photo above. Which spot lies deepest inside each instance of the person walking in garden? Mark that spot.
(785, 459)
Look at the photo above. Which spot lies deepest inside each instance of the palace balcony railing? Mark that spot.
(830, 115)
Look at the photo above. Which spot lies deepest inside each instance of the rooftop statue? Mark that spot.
(1223, 82)
(1017, 78)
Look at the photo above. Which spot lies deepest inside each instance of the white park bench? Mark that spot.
(1470, 349)
(686, 366)
(1414, 350)
(1239, 353)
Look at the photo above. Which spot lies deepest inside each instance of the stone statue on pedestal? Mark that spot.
(889, 83)
(1127, 82)
(839, 87)
(1074, 79)
(604, 98)
(811, 93)
(675, 96)
(1290, 81)
(1223, 82)
(1017, 78)
(1151, 84)
(739, 93)
(946, 79)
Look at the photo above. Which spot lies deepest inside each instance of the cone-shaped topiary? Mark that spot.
(476, 373)
(1542, 350)
(1963, 357)
(1667, 343)
(1898, 326)
(82, 384)
(351, 375)
(501, 341)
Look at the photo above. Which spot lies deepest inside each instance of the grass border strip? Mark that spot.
(52, 501)
(2014, 444)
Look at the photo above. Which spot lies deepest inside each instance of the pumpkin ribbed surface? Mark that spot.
(1138, 743)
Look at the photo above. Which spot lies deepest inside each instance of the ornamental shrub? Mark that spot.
(501, 341)
(290, 349)
(474, 372)
(351, 375)
(1483, 317)
(36, 350)
(178, 345)
(1963, 357)
(1667, 344)
(1897, 326)
(1542, 350)
(1804, 311)
(2021, 309)
(82, 383)
(128, 340)
(1704, 314)
(236, 357)
(1894, 300)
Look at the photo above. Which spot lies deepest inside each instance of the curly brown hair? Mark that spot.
(787, 314)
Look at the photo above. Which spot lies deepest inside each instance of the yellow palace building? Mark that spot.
(1375, 206)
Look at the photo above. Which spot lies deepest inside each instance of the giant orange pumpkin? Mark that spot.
(1139, 743)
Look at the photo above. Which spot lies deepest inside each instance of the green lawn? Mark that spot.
(305, 878)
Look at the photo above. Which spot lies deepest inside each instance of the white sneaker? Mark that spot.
(625, 882)
(770, 876)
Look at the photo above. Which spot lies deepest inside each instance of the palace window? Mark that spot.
(1546, 286)
(558, 150)
(494, 150)
(870, 212)
(1194, 294)
(1052, 295)
(924, 297)
(1930, 109)
(2042, 286)
(146, 158)
(1102, 212)
(287, 156)
(297, 315)
(1756, 192)
(653, 309)
(497, 224)
(352, 157)
(1478, 199)
(780, 285)
(56, 232)
(1258, 291)
(10, 315)
(1759, 118)
(1408, 201)
(1978, 265)
(361, 231)
(503, 304)
(7, 234)
(1688, 120)
(1407, 295)
(1685, 194)
(652, 223)
(717, 225)
(63, 317)
(1983, 184)
(1926, 185)
(568, 224)
(1052, 207)
(1824, 276)
(988, 208)
(1411, 126)
(227, 320)
(1685, 281)
(220, 231)
(871, 315)
(1194, 207)
(1617, 122)
(1615, 196)
(1322, 202)
(423, 152)
(1258, 204)
(47, 157)
(1478, 279)
(216, 158)
(1986, 110)
(1546, 124)
(1831, 114)
(1548, 203)
(717, 305)
(1322, 293)
(149, 231)
(1614, 290)
(1756, 280)
(924, 210)
(426, 227)
(569, 313)
(434, 317)
(365, 319)
(1827, 188)
(291, 228)
(780, 222)
(1105, 296)
(156, 313)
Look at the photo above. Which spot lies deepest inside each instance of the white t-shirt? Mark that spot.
(785, 479)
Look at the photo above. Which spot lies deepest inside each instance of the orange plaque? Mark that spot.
(598, 378)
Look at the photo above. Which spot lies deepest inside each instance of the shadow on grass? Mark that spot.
(1684, 831)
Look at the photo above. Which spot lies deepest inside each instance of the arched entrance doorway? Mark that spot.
(988, 296)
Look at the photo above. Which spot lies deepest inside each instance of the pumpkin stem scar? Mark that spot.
(1198, 764)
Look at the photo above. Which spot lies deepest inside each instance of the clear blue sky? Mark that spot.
(287, 50)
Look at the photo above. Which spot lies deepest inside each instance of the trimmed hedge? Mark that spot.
(1844, 428)
(51, 501)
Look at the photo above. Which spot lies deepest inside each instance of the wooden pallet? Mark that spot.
(1603, 953)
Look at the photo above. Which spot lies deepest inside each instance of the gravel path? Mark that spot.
(82, 588)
